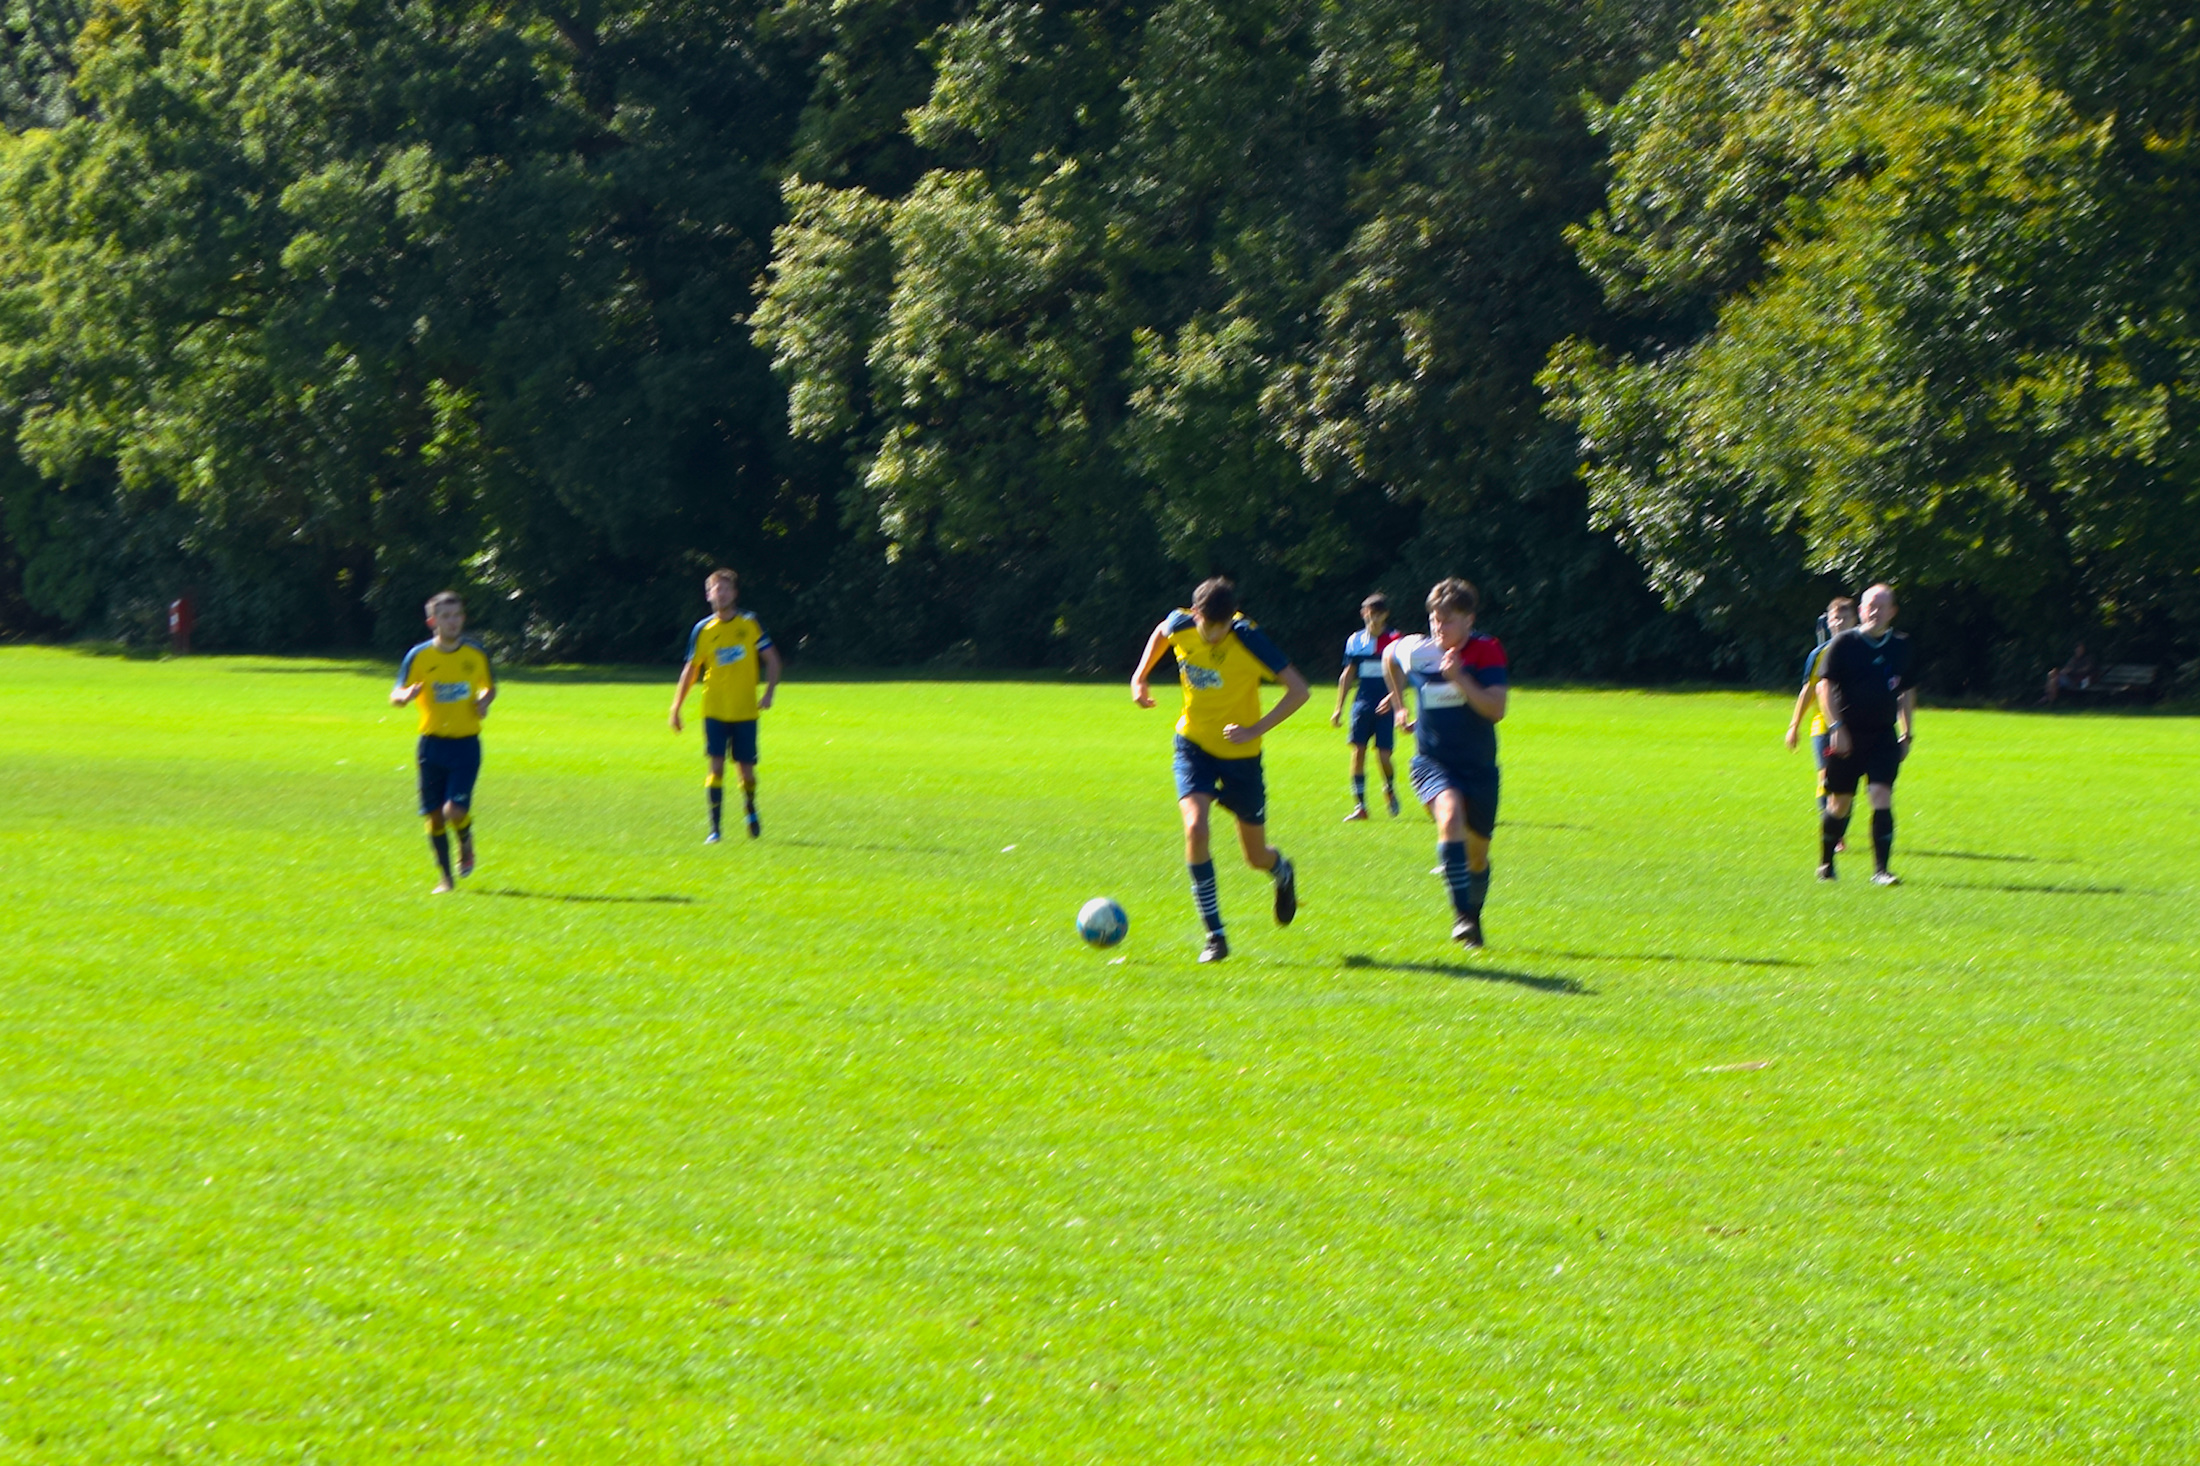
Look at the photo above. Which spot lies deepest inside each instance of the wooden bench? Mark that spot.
(2136, 679)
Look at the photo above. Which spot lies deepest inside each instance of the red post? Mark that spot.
(180, 617)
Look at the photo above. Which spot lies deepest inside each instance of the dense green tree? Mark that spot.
(1908, 293)
(389, 296)
(1252, 285)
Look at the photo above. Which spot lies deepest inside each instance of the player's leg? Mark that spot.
(1449, 806)
(1842, 777)
(433, 784)
(714, 781)
(1359, 774)
(744, 758)
(1818, 759)
(1260, 855)
(1879, 791)
(458, 798)
(1197, 780)
(1383, 739)
(1199, 861)
(1243, 790)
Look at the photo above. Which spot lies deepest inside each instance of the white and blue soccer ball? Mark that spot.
(1102, 922)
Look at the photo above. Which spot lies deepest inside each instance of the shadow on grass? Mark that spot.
(1545, 825)
(1656, 957)
(2027, 890)
(1977, 855)
(875, 849)
(1536, 980)
(659, 900)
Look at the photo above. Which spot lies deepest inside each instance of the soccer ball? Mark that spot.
(1102, 922)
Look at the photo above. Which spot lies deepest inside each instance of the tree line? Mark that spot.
(971, 332)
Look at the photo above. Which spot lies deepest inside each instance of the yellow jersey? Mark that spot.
(449, 681)
(1814, 672)
(724, 650)
(1222, 680)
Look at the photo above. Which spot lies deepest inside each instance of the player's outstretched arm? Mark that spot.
(1156, 644)
(680, 693)
(771, 678)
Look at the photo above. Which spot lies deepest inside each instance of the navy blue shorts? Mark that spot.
(722, 739)
(1235, 783)
(1369, 726)
(448, 768)
(1477, 784)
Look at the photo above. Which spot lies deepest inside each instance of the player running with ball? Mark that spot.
(1222, 659)
(1459, 675)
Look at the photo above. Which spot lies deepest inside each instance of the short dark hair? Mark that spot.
(445, 595)
(1216, 599)
(1838, 602)
(1454, 594)
(1376, 602)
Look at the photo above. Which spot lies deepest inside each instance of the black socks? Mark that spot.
(1832, 830)
(1882, 837)
(442, 844)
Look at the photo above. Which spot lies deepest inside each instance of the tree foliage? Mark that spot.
(1908, 293)
(973, 329)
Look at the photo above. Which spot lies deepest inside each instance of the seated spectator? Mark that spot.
(2076, 675)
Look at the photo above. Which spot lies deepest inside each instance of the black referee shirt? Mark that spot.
(1871, 678)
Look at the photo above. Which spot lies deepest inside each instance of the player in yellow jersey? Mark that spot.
(724, 652)
(450, 677)
(1840, 616)
(1222, 659)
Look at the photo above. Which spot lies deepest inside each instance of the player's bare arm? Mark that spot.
(1394, 677)
(1345, 679)
(1795, 720)
(1488, 701)
(1295, 695)
(771, 677)
(1906, 709)
(680, 693)
(481, 703)
(399, 696)
(1156, 644)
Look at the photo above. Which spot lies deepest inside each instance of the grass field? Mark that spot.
(838, 1147)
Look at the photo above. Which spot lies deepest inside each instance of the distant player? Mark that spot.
(1864, 689)
(1222, 659)
(724, 651)
(449, 674)
(1459, 675)
(1840, 616)
(1372, 721)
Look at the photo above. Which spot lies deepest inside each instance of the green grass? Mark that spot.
(838, 1147)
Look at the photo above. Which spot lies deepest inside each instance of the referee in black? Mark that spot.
(1864, 690)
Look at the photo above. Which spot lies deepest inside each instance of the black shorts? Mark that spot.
(1873, 759)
